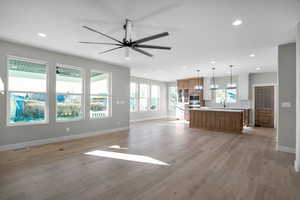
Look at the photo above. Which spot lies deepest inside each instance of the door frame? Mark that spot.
(275, 102)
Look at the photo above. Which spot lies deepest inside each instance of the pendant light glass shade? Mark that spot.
(1, 86)
(231, 85)
(198, 87)
(213, 86)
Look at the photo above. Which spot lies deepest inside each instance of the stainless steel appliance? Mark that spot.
(194, 100)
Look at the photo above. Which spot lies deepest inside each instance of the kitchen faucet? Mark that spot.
(223, 102)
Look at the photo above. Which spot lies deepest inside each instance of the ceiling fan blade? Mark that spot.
(103, 52)
(93, 30)
(142, 51)
(152, 47)
(153, 37)
(106, 43)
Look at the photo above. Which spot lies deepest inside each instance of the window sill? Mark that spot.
(100, 118)
(68, 120)
(27, 124)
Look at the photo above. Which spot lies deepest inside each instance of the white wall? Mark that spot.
(148, 115)
(21, 134)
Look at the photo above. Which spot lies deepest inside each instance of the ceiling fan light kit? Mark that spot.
(128, 43)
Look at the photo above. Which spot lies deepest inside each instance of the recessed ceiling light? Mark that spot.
(213, 62)
(42, 34)
(145, 74)
(237, 22)
(184, 67)
(258, 68)
(252, 55)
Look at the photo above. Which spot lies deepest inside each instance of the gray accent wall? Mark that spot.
(297, 161)
(287, 93)
(147, 115)
(120, 93)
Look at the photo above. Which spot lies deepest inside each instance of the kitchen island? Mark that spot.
(225, 120)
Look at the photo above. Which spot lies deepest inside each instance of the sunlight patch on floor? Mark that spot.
(128, 157)
(117, 147)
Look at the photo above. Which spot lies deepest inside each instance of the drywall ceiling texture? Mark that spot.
(200, 31)
(120, 92)
(287, 93)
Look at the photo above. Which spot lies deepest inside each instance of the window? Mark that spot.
(133, 97)
(228, 95)
(27, 91)
(220, 96)
(155, 94)
(231, 95)
(69, 93)
(99, 95)
(172, 98)
(1, 86)
(144, 94)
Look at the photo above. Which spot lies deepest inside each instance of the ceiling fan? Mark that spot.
(136, 45)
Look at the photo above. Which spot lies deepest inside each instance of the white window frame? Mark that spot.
(176, 89)
(150, 98)
(109, 95)
(136, 96)
(139, 97)
(75, 94)
(7, 92)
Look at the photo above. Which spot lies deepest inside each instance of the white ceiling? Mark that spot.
(200, 31)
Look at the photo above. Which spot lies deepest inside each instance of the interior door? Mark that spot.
(264, 106)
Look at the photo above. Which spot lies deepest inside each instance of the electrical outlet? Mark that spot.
(68, 130)
(286, 104)
(118, 122)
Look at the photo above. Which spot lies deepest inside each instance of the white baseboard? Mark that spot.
(297, 166)
(59, 139)
(285, 149)
(149, 118)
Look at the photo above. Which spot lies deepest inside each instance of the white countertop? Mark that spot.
(217, 109)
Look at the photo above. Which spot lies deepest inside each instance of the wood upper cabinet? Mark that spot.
(183, 84)
(180, 84)
(189, 83)
(186, 87)
(193, 82)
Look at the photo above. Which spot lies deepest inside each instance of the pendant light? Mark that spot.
(231, 85)
(213, 86)
(1, 86)
(198, 87)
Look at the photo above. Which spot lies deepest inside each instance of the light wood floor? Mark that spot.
(202, 165)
